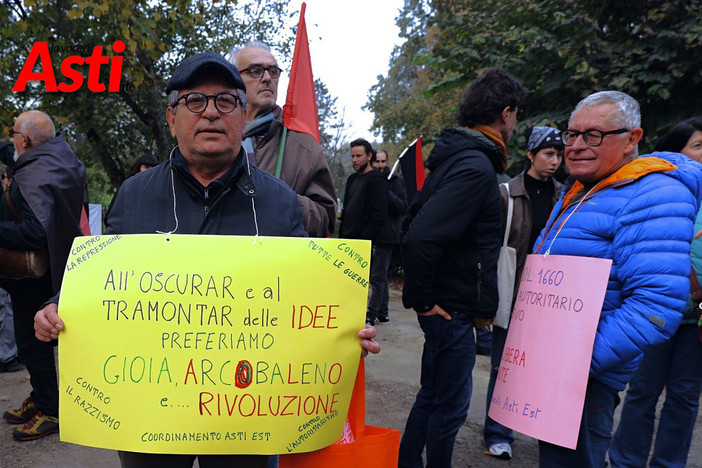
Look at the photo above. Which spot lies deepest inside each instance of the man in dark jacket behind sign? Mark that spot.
(207, 186)
(450, 244)
(366, 216)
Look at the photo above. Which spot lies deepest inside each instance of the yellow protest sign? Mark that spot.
(210, 344)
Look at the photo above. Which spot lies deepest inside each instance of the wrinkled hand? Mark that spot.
(47, 323)
(367, 342)
(484, 323)
(436, 310)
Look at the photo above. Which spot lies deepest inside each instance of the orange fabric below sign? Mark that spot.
(375, 447)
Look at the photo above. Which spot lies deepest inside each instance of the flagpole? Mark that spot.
(394, 166)
(281, 152)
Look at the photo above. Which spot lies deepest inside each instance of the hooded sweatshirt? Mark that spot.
(452, 234)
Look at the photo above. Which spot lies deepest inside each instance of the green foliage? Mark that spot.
(402, 106)
(561, 50)
(332, 129)
(109, 130)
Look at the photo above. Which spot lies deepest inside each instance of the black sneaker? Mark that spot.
(383, 319)
(39, 426)
(22, 415)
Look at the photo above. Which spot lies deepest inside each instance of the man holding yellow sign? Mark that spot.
(206, 187)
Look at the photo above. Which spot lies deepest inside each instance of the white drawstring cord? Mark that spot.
(253, 204)
(548, 251)
(175, 213)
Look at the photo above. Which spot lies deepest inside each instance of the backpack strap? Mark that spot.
(12, 205)
(510, 210)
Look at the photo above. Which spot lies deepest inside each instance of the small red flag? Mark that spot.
(300, 109)
(419, 164)
(412, 164)
(84, 222)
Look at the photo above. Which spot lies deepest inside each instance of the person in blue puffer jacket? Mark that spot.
(674, 365)
(639, 212)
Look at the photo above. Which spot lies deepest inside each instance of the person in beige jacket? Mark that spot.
(304, 168)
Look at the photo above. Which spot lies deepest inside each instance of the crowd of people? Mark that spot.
(234, 162)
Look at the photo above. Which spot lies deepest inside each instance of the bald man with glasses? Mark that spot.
(304, 167)
(39, 211)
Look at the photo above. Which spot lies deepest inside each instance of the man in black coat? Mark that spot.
(40, 211)
(366, 216)
(390, 239)
(450, 243)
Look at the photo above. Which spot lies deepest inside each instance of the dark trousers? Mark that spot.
(675, 366)
(494, 432)
(28, 295)
(483, 339)
(380, 264)
(595, 432)
(161, 460)
(441, 406)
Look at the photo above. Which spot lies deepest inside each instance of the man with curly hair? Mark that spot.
(450, 244)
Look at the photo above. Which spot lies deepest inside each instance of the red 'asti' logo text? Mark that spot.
(40, 51)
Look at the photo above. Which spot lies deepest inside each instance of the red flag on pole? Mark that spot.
(420, 175)
(300, 110)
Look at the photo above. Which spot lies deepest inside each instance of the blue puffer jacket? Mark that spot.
(641, 217)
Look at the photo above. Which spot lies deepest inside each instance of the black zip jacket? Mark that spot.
(452, 234)
(370, 213)
(144, 203)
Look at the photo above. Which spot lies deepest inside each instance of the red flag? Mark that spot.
(412, 164)
(300, 110)
(84, 222)
(420, 175)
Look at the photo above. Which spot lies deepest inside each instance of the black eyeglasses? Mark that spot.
(14, 132)
(225, 103)
(591, 137)
(256, 71)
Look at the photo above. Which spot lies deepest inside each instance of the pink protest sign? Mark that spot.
(540, 388)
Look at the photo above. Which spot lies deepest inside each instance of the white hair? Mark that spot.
(235, 51)
(628, 113)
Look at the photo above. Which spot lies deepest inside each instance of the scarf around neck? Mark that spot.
(495, 137)
(255, 128)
